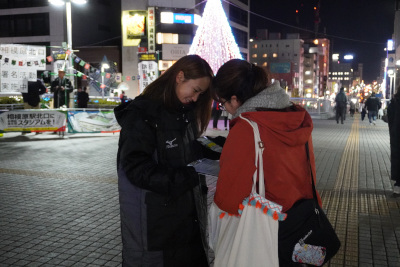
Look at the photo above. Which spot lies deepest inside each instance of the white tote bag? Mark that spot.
(250, 239)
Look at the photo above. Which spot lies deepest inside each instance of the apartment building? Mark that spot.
(282, 58)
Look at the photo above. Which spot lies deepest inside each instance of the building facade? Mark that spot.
(175, 24)
(96, 23)
(281, 58)
(320, 48)
(341, 73)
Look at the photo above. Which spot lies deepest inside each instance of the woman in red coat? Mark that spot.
(284, 128)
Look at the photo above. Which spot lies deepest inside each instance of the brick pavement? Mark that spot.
(59, 199)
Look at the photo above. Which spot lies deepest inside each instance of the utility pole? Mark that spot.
(317, 18)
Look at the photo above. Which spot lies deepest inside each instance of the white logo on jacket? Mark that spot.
(170, 144)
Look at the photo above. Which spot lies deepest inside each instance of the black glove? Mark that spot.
(184, 179)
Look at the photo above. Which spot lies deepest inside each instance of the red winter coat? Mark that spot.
(286, 169)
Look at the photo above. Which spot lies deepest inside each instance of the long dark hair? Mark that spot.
(240, 78)
(163, 88)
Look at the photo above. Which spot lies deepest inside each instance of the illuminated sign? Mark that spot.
(167, 17)
(183, 18)
(280, 67)
(174, 51)
(147, 70)
(348, 57)
(390, 45)
(151, 37)
(133, 27)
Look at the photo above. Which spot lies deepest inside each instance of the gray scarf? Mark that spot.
(271, 97)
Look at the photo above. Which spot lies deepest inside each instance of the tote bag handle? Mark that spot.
(259, 148)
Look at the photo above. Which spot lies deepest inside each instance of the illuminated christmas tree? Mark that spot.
(214, 40)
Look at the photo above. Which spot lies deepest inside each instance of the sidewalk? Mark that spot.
(59, 197)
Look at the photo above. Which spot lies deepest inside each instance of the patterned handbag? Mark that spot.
(307, 236)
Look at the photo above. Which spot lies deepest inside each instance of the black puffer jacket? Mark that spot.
(393, 114)
(373, 103)
(159, 220)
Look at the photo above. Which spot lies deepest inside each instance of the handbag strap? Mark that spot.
(312, 175)
(259, 148)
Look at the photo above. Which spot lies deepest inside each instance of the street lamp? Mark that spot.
(67, 4)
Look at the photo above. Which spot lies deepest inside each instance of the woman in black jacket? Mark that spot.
(393, 114)
(162, 217)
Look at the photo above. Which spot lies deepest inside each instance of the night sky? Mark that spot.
(368, 23)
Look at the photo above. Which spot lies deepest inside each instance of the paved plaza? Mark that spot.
(59, 197)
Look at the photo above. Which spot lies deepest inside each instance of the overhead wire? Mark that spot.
(266, 18)
(303, 29)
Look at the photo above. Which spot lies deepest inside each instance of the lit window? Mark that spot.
(167, 38)
(165, 64)
(265, 55)
(167, 17)
(265, 64)
(274, 55)
(255, 46)
(254, 56)
(197, 19)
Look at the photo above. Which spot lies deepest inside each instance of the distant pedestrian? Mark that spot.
(373, 104)
(227, 117)
(380, 113)
(393, 113)
(82, 98)
(123, 97)
(341, 105)
(363, 111)
(61, 87)
(32, 97)
(352, 108)
(216, 114)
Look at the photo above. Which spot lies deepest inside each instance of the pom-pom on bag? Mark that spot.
(250, 239)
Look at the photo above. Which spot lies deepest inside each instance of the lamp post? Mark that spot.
(67, 4)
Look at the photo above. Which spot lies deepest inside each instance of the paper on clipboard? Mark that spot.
(206, 166)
